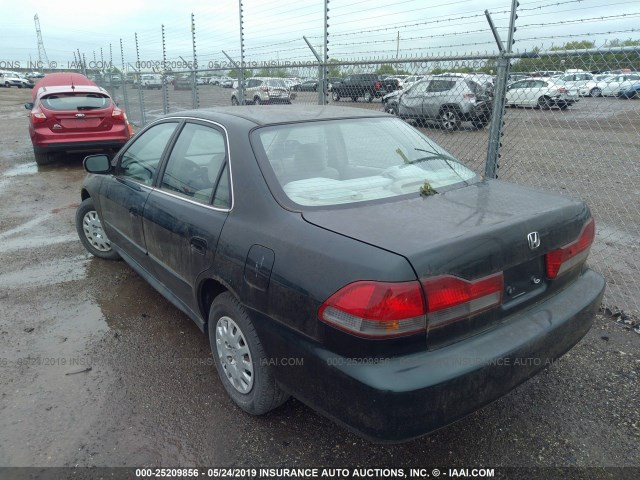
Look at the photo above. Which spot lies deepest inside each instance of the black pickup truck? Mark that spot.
(365, 85)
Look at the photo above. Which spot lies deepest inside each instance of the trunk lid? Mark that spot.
(470, 232)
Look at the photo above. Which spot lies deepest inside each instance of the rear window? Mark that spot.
(76, 101)
(346, 161)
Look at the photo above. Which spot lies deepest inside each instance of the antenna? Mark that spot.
(42, 54)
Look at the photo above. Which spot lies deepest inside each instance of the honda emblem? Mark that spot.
(534, 240)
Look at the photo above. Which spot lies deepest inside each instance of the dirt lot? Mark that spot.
(96, 368)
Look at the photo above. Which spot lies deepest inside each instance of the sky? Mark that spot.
(274, 29)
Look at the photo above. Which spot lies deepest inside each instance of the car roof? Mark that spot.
(277, 114)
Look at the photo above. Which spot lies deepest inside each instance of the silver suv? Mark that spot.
(447, 100)
(261, 91)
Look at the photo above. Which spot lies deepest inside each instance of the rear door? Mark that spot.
(435, 96)
(125, 193)
(184, 215)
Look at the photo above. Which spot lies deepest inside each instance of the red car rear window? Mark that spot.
(76, 101)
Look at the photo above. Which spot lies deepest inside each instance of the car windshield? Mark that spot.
(76, 101)
(354, 160)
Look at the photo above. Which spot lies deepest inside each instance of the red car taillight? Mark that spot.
(376, 309)
(450, 298)
(565, 258)
(38, 117)
(118, 115)
(377, 86)
(562, 90)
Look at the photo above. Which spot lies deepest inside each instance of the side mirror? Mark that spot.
(97, 164)
(28, 106)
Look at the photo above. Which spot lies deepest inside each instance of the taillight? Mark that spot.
(562, 90)
(376, 309)
(469, 96)
(118, 115)
(38, 117)
(450, 298)
(377, 86)
(565, 258)
(264, 88)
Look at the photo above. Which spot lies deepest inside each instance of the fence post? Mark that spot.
(196, 99)
(124, 83)
(321, 97)
(241, 69)
(325, 66)
(165, 90)
(140, 94)
(497, 115)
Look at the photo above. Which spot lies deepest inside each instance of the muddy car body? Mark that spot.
(403, 291)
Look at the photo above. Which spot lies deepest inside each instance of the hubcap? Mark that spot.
(93, 232)
(448, 120)
(234, 354)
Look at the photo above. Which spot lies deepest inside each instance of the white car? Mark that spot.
(540, 92)
(575, 80)
(613, 84)
(410, 80)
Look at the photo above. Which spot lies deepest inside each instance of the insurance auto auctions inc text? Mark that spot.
(373, 472)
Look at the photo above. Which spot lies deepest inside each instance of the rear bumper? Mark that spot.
(397, 399)
(79, 146)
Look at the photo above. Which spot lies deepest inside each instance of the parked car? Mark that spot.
(630, 92)
(226, 82)
(365, 85)
(331, 81)
(540, 92)
(151, 81)
(410, 80)
(183, 82)
(12, 79)
(612, 85)
(262, 91)
(575, 81)
(446, 100)
(584, 90)
(306, 86)
(276, 231)
(71, 113)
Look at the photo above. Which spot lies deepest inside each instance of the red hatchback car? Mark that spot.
(71, 113)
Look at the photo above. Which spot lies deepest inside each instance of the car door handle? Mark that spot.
(199, 245)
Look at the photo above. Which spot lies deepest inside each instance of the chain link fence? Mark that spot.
(571, 117)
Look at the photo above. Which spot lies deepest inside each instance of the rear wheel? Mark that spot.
(595, 92)
(335, 96)
(391, 108)
(90, 231)
(544, 103)
(43, 158)
(368, 97)
(234, 101)
(240, 359)
(449, 120)
(256, 101)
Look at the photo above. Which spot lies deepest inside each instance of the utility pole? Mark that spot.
(42, 54)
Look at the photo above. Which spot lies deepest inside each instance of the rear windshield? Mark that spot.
(346, 161)
(76, 101)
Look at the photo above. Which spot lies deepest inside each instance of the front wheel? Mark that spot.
(595, 92)
(240, 359)
(335, 96)
(234, 101)
(368, 97)
(256, 101)
(90, 231)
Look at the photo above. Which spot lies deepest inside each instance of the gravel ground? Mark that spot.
(97, 369)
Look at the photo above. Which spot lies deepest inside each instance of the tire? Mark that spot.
(391, 108)
(43, 158)
(544, 103)
(7, 85)
(368, 97)
(256, 101)
(335, 96)
(595, 92)
(355, 99)
(234, 101)
(233, 340)
(91, 233)
(480, 123)
(449, 119)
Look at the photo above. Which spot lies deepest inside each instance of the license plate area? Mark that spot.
(523, 282)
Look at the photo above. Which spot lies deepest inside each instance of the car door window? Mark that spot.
(195, 162)
(140, 161)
